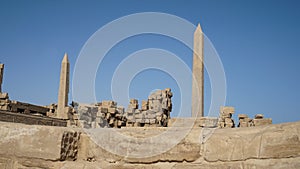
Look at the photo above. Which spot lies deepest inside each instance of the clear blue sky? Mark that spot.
(258, 42)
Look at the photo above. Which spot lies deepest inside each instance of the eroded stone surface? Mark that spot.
(271, 141)
(270, 146)
(30, 141)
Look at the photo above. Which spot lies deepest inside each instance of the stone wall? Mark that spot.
(270, 146)
(30, 119)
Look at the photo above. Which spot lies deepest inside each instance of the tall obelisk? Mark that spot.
(198, 74)
(63, 89)
(1, 76)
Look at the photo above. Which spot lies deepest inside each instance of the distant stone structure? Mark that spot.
(198, 74)
(101, 115)
(245, 121)
(19, 112)
(154, 112)
(259, 120)
(1, 76)
(31, 119)
(225, 117)
(62, 104)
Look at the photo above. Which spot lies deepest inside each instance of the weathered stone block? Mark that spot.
(4, 96)
(30, 141)
(209, 122)
(259, 116)
(228, 121)
(242, 116)
(227, 110)
(261, 122)
(112, 110)
(243, 124)
(108, 103)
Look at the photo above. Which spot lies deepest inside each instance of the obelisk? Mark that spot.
(63, 89)
(1, 76)
(198, 74)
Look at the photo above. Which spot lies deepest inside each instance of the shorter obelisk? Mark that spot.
(1, 76)
(198, 74)
(62, 105)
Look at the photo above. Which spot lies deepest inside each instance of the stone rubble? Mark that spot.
(259, 120)
(225, 120)
(154, 112)
(244, 121)
(4, 101)
(109, 115)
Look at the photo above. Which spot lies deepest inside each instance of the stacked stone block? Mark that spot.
(225, 120)
(244, 121)
(145, 105)
(132, 113)
(109, 115)
(259, 120)
(4, 102)
(87, 115)
(154, 112)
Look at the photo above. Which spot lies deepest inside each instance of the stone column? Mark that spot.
(62, 105)
(198, 74)
(1, 76)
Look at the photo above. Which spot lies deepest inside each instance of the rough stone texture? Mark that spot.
(210, 122)
(29, 141)
(155, 112)
(198, 74)
(69, 145)
(225, 120)
(261, 122)
(30, 119)
(271, 141)
(270, 146)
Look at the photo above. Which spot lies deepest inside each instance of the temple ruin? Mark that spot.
(154, 112)
(59, 135)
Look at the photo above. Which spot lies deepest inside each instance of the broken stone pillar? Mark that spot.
(62, 105)
(1, 76)
(198, 75)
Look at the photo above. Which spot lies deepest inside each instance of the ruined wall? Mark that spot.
(270, 146)
(30, 119)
